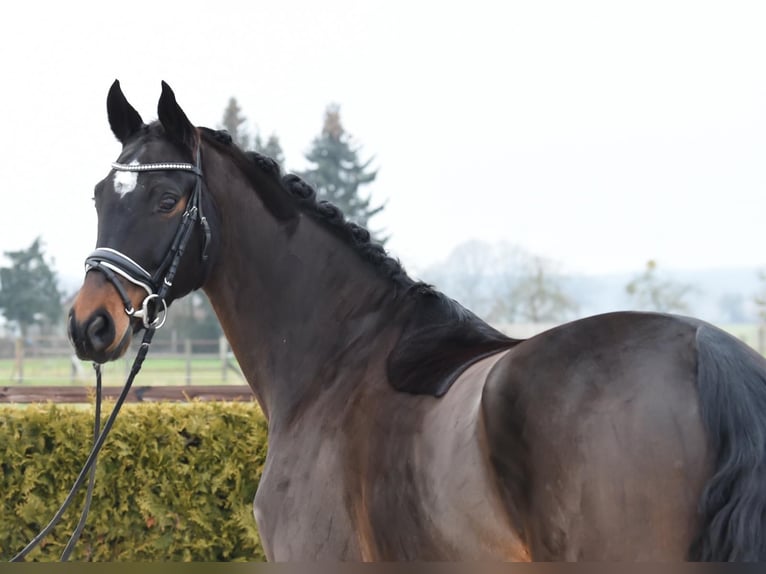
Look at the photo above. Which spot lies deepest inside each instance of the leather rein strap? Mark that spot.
(114, 265)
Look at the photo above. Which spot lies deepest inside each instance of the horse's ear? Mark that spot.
(174, 120)
(123, 118)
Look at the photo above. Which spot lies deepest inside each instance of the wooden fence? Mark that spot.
(51, 360)
(21, 394)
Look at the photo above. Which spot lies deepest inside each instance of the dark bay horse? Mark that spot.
(400, 425)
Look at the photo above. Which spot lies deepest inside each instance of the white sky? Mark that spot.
(600, 134)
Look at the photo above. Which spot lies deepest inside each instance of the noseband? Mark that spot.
(114, 264)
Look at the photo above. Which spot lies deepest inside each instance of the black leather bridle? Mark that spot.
(114, 264)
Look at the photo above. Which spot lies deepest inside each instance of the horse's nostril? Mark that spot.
(100, 332)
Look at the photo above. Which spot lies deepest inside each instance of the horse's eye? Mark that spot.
(167, 203)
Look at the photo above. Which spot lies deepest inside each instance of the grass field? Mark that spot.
(157, 370)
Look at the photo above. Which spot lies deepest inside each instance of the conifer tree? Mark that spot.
(271, 148)
(29, 292)
(337, 173)
(234, 122)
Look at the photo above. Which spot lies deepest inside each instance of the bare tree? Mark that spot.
(502, 283)
(650, 292)
(464, 275)
(538, 295)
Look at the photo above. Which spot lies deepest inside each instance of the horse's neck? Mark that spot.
(296, 305)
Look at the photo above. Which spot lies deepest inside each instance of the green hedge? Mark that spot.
(174, 481)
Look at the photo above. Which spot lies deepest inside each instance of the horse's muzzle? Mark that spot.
(98, 327)
(94, 339)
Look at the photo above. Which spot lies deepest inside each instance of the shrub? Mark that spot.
(173, 481)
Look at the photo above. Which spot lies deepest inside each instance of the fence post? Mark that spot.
(18, 367)
(223, 351)
(188, 353)
(75, 372)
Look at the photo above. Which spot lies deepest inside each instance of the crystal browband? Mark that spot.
(156, 167)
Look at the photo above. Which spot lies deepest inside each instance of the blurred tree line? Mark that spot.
(500, 282)
(503, 283)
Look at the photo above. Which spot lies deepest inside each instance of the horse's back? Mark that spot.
(595, 432)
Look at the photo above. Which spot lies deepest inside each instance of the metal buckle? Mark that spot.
(143, 313)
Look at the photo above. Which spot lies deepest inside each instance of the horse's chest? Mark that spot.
(317, 502)
(318, 508)
(410, 482)
(300, 507)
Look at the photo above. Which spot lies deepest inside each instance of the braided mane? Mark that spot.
(439, 339)
(304, 198)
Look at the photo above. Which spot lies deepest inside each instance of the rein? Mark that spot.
(114, 264)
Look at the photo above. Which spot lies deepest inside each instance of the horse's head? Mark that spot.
(152, 242)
